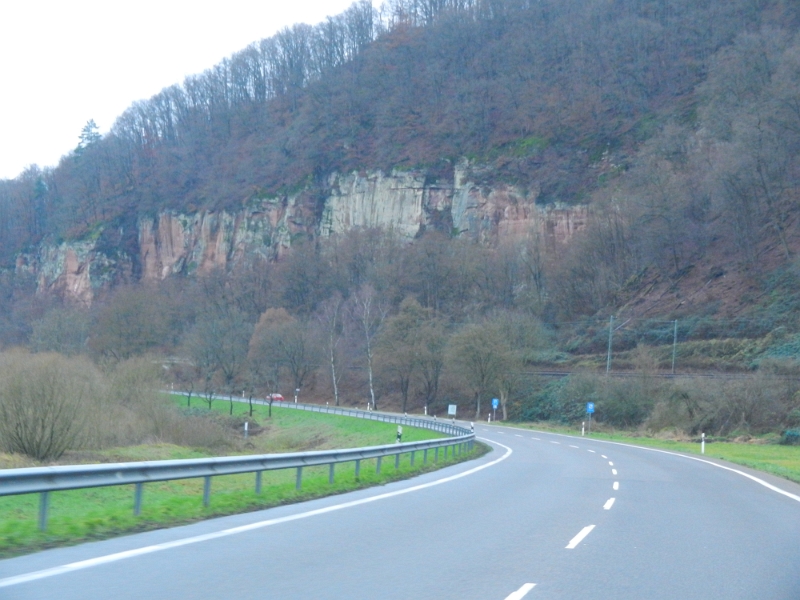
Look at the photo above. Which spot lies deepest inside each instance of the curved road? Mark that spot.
(542, 516)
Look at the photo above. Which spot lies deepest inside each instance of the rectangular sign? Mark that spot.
(589, 408)
(451, 409)
(495, 403)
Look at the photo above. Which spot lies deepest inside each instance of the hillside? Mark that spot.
(432, 177)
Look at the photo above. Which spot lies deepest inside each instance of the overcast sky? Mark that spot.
(67, 61)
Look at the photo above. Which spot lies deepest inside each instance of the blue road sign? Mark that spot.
(495, 403)
(589, 408)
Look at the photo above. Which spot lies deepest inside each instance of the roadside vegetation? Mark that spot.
(762, 453)
(98, 513)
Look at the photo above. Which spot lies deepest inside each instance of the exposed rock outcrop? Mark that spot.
(173, 243)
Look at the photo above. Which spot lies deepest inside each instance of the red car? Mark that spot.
(275, 397)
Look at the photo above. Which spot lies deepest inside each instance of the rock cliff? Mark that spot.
(173, 243)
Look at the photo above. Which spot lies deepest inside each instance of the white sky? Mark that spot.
(64, 62)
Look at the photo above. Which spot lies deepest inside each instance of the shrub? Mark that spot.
(46, 403)
(791, 437)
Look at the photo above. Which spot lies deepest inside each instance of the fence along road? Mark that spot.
(44, 480)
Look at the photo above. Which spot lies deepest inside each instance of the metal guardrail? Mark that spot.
(43, 480)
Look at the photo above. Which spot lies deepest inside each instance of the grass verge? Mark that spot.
(783, 461)
(82, 515)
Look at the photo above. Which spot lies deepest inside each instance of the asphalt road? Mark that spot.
(540, 517)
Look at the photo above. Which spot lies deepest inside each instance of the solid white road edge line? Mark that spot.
(579, 538)
(521, 592)
(766, 484)
(109, 558)
(609, 503)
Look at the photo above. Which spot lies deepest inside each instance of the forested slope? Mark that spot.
(551, 93)
(673, 126)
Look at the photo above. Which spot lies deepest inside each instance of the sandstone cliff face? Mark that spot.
(405, 203)
(195, 244)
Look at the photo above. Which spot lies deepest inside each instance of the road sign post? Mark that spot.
(495, 404)
(590, 412)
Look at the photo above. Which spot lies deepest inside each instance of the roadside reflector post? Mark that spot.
(583, 428)
(137, 499)
(299, 480)
(206, 490)
(245, 428)
(44, 502)
(702, 443)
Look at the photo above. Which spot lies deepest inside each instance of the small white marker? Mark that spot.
(610, 464)
(613, 471)
(521, 592)
(616, 485)
(579, 538)
(609, 503)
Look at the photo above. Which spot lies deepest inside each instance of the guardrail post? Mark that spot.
(436, 455)
(425, 456)
(397, 461)
(258, 482)
(412, 458)
(358, 468)
(137, 499)
(331, 468)
(378, 467)
(299, 480)
(206, 490)
(44, 502)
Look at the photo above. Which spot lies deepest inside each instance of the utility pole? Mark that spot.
(674, 345)
(610, 336)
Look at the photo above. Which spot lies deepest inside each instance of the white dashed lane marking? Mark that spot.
(592, 451)
(616, 485)
(610, 464)
(613, 471)
(604, 456)
(609, 503)
(571, 446)
(559, 443)
(521, 592)
(579, 538)
(537, 439)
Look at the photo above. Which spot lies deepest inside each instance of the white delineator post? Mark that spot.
(583, 428)
(702, 443)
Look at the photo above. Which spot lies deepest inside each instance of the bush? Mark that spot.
(791, 437)
(46, 403)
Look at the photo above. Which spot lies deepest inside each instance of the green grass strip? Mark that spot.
(783, 461)
(98, 513)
